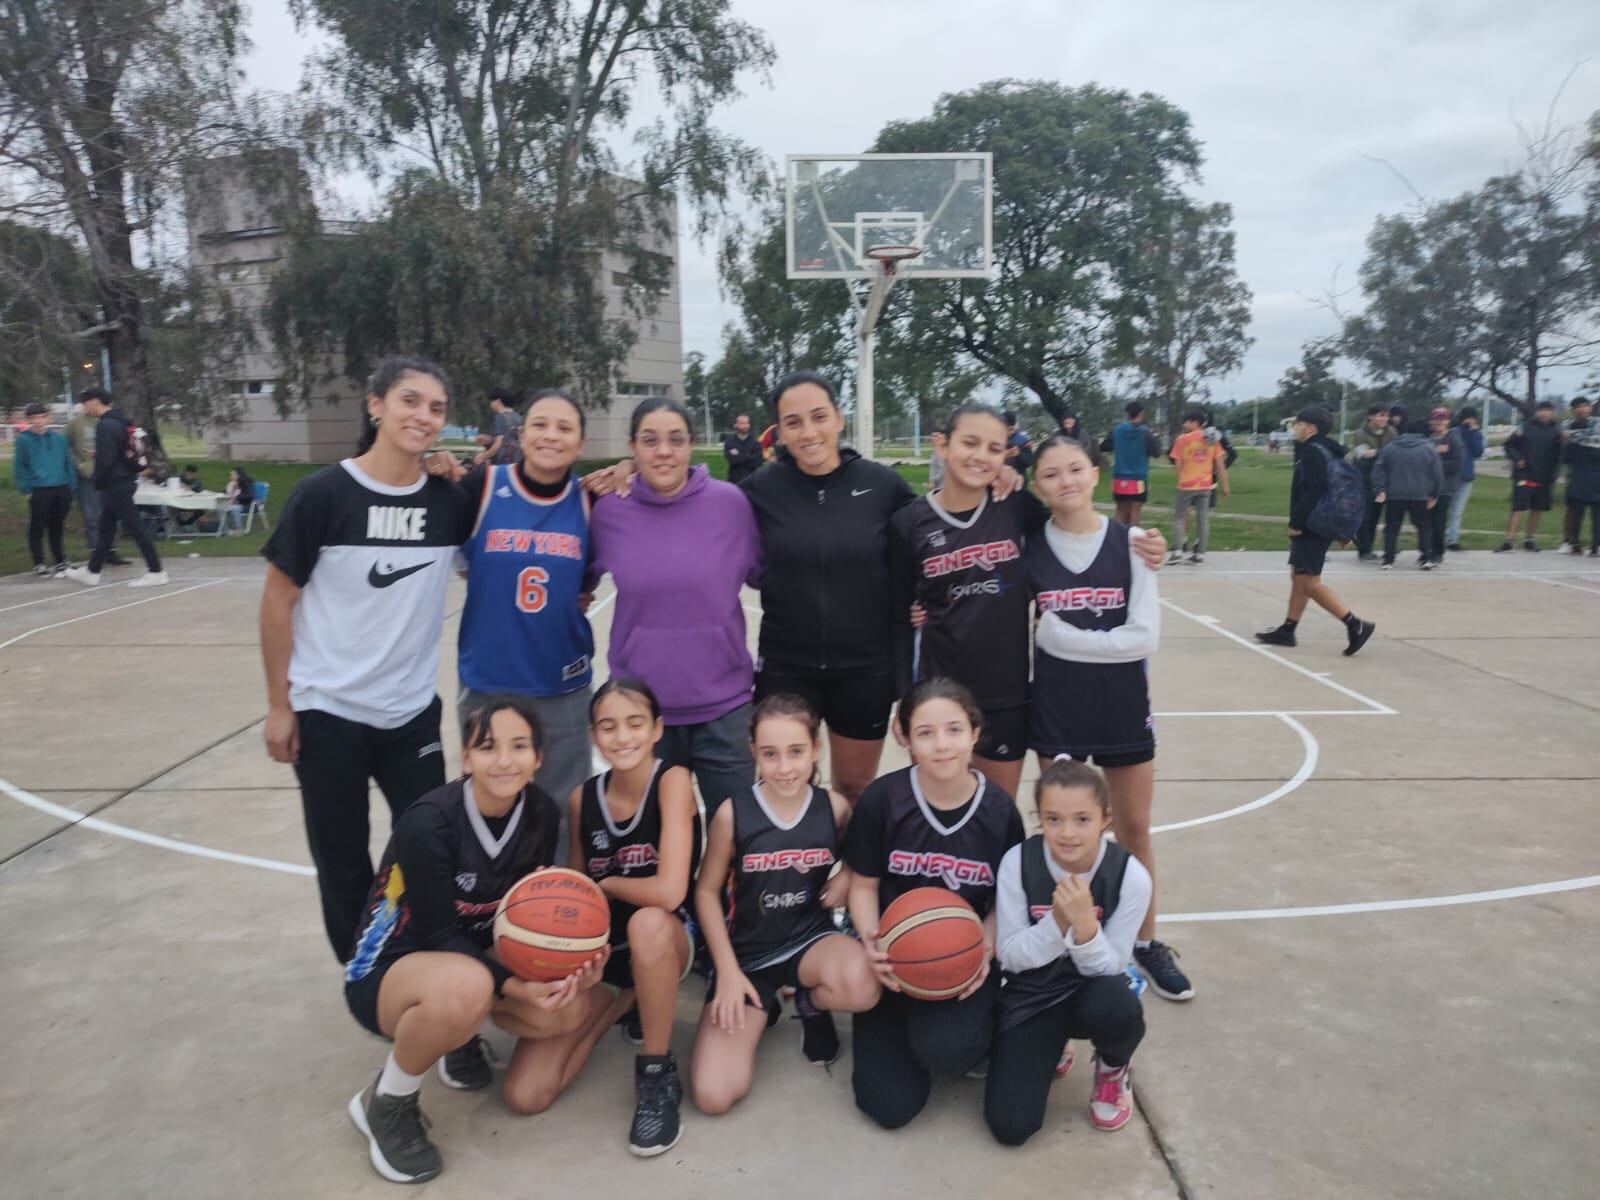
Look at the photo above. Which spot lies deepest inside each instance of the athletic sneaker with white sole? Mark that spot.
(1111, 1106)
(468, 1068)
(397, 1135)
(150, 579)
(84, 576)
(1064, 1063)
(1156, 960)
(658, 1092)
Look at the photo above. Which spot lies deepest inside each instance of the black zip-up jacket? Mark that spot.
(825, 570)
(1537, 445)
(110, 438)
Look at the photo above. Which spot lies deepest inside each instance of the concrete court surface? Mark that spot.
(1381, 873)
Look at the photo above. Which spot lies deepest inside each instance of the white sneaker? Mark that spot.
(150, 579)
(83, 575)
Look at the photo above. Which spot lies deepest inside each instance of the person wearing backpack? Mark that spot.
(1321, 476)
(119, 455)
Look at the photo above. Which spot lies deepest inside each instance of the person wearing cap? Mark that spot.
(1534, 449)
(44, 473)
(1472, 439)
(1581, 452)
(1452, 451)
(1368, 442)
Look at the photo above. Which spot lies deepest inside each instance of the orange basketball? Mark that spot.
(934, 941)
(550, 923)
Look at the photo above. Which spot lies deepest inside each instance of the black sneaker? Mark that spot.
(60, 569)
(1531, 546)
(1156, 961)
(632, 1026)
(1358, 636)
(467, 1068)
(1369, 556)
(1196, 559)
(819, 1039)
(1575, 551)
(115, 559)
(1504, 546)
(1283, 635)
(1453, 547)
(657, 1093)
(397, 1135)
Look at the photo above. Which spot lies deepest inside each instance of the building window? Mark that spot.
(642, 390)
(246, 389)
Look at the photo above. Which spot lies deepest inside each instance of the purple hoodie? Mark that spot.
(678, 563)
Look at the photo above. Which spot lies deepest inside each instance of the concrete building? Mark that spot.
(238, 215)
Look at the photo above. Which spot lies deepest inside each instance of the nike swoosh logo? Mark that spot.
(862, 492)
(377, 579)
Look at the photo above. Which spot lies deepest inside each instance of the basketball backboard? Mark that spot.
(840, 206)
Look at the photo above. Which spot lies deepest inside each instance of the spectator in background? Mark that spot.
(1369, 442)
(1131, 445)
(1581, 451)
(1229, 455)
(1199, 459)
(80, 437)
(505, 436)
(743, 450)
(1452, 452)
(1073, 428)
(1407, 478)
(1397, 418)
(241, 492)
(44, 473)
(1472, 441)
(1019, 450)
(117, 477)
(1534, 449)
(189, 481)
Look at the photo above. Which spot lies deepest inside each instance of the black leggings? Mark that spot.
(1394, 516)
(1574, 523)
(901, 1042)
(337, 758)
(47, 513)
(1023, 1065)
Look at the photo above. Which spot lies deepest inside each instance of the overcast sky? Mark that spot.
(1290, 101)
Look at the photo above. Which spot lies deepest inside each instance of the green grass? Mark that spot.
(1260, 483)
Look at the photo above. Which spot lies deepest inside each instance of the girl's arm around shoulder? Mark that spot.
(1138, 637)
(1111, 949)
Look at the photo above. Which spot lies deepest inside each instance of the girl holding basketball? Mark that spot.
(957, 555)
(635, 830)
(777, 841)
(1069, 907)
(937, 823)
(423, 973)
(1099, 623)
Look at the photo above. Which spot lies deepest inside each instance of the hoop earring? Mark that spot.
(376, 421)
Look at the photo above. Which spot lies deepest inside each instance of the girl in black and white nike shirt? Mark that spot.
(423, 972)
(938, 823)
(1099, 623)
(778, 841)
(350, 622)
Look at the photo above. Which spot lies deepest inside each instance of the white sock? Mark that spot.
(396, 1080)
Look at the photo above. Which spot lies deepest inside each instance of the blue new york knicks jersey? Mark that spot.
(521, 630)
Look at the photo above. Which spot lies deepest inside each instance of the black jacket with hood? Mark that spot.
(1310, 479)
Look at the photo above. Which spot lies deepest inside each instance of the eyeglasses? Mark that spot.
(651, 441)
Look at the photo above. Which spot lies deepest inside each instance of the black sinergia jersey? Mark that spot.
(631, 851)
(1027, 993)
(1087, 708)
(779, 872)
(372, 562)
(896, 837)
(443, 874)
(967, 572)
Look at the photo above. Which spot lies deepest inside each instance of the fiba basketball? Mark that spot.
(934, 941)
(550, 923)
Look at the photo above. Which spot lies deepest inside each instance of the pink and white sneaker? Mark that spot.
(1064, 1063)
(1112, 1102)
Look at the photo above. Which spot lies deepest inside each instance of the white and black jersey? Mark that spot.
(372, 562)
(443, 874)
(779, 872)
(1093, 698)
(898, 838)
(1031, 991)
(631, 851)
(967, 572)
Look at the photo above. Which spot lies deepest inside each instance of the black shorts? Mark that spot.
(361, 995)
(1097, 712)
(618, 971)
(769, 979)
(1138, 497)
(853, 706)
(1308, 553)
(1004, 737)
(1121, 758)
(1530, 498)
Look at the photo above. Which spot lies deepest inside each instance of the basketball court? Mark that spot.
(1381, 873)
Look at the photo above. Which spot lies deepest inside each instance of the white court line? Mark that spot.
(1370, 906)
(1211, 623)
(596, 609)
(103, 611)
(1308, 764)
(1563, 583)
(76, 592)
(1276, 712)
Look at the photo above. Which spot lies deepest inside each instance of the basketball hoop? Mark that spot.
(889, 258)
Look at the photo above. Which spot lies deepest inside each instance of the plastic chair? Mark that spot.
(258, 505)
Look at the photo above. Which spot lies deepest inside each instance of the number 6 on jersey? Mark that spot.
(531, 590)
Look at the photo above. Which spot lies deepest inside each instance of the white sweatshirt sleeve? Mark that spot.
(1022, 944)
(1137, 638)
(1111, 948)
